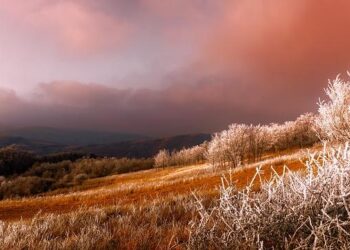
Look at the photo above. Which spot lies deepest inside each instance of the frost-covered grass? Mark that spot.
(159, 225)
(300, 210)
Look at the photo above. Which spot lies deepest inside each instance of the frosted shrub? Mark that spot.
(162, 159)
(259, 141)
(229, 146)
(215, 148)
(242, 143)
(302, 210)
(247, 143)
(334, 115)
(298, 133)
(186, 156)
(303, 130)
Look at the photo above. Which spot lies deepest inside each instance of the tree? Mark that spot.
(304, 130)
(229, 146)
(162, 159)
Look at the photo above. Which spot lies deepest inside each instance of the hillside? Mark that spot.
(151, 209)
(144, 187)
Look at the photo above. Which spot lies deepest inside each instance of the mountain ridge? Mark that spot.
(139, 148)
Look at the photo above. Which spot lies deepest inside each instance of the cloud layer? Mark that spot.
(217, 62)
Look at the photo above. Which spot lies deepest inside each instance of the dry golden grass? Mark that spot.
(141, 188)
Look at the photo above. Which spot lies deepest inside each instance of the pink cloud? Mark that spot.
(74, 26)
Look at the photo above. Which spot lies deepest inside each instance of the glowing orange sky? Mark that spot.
(167, 67)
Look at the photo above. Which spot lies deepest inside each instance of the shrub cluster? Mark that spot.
(15, 160)
(245, 143)
(43, 177)
(186, 156)
(242, 142)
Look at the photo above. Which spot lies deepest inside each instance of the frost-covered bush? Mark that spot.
(186, 156)
(303, 131)
(234, 145)
(162, 159)
(242, 143)
(247, 143)
(305, 210)
(334, 115)
(299, 133)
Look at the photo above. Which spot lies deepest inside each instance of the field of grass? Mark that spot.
(139, 188)
(147, 209)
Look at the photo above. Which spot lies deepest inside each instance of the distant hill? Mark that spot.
(69, 136)
(39, 147)
(134, 149)
(146, 148)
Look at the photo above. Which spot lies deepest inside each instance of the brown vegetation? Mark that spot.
(46, 176)
(150, 209)
(137, 188)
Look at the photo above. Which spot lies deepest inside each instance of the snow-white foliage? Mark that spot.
(240, 141)
(298, 133)
(161, 159)
(248, 143)
(334, 115)
(306, 210)
(186, 156)
(193, 155)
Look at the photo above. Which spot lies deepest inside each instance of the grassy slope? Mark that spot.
(143, 188)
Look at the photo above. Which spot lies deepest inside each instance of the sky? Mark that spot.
(158, 67)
